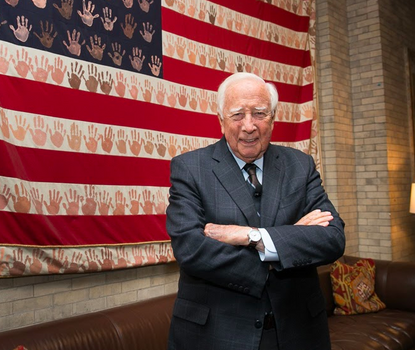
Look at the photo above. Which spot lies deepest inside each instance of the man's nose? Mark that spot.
(248, 123)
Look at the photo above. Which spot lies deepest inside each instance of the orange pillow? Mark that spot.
(354, 288)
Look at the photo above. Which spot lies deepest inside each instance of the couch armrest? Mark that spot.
(395, 282)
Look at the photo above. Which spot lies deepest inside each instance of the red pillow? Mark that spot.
(354, 288)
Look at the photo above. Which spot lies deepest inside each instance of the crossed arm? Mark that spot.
(238, 235)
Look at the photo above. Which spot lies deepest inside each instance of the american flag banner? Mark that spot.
(97, 96)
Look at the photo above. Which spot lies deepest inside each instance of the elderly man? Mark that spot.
(249, 223)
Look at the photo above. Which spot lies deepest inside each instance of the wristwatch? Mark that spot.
(254, 236)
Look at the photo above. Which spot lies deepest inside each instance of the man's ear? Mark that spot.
(222, 129)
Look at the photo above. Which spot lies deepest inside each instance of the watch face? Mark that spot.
(254, 235)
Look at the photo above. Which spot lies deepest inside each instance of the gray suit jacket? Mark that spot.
(224, 291)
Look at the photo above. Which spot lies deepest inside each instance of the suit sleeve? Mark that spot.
(301, 246)
(200, 256)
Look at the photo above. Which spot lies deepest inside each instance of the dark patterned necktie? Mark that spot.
(250, 168)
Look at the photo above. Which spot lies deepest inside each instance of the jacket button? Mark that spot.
(246, 290)
(230, 285)
(258, 324)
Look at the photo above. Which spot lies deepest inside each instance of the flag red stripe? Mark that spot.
(206, 33)
(106, 109)
(291, 132)
(34, 164)
(31, 229)
(269, 13)
(210, 79)
(24, 95)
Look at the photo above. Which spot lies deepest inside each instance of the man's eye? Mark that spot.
(259, 115)
(238, 116)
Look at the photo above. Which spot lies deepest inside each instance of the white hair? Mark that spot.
(245, 76)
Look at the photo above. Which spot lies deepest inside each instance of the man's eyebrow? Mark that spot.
(241, 109)
(235, 110)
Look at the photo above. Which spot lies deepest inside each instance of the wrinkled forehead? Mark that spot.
(248, 93)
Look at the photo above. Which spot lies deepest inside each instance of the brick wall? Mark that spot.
(365, 117)
(31, 300)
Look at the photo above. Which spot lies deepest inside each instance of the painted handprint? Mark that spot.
(39, 131)
(55, 200)
(147, 91)
(37, 200)
(22, 126)
(22, 30)
(161, 145)
(66, 8)
(47, 36)
(92, 142)
(75, 137)
(73, 46)
(107, 263)
(161, 203)
(122, 258)
(129, 26)
(35, 263)
(86, 14)
(128, 3)
(12, 2)
(90, 206)
(121, 142)
(137, 59)
(5, 196)
(120, 84)
(147, 32)
(22, 65)
(4, 124)
(107, 139)
(172, 96)
(105, 83)
(161, 93)
(4, 59)
(155, 65)
(73, 200)
(40, 70)
(104, 203)
(148, 202)
(58, 71)
(107, 20)
(55, 262)
(58, 135)
(135, 143)
(18, 267)
(149, 145)
(39, 3)
(92, 82)
(92, 260)
(21, 201)
(145, 5)
(75, 265)
(120, 203)
(133, 87)
(134, 201)
(116, 54)
(96, 49)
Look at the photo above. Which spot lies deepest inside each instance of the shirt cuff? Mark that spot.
(270, 253)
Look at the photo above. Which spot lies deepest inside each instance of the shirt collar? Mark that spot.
(259, 162)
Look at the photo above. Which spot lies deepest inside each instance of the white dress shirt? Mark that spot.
(270, 253)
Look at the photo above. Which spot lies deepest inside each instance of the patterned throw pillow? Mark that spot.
(354, 288)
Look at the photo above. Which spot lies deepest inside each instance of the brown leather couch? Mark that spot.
(145, 325)
(389, 329)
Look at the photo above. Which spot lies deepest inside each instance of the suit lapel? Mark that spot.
(231, 178)
(271, 187)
